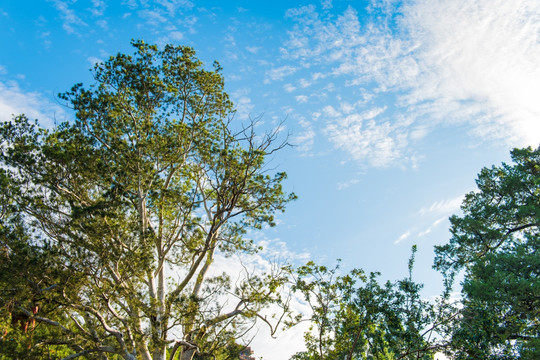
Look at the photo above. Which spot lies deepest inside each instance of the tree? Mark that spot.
(355, 317)
(22, 300)
(496, 244)
(130, 203)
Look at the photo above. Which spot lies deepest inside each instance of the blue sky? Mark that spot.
(393, 106)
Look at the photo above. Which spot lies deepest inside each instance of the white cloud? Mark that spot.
(432, 227)
(98, 8)
(305, 140)
(330, 112)
(365, 137)
(15, 101)
(243, 103)
(70, 19)
(316, 76)
(483, 53)
(403, 236)
(132, 4)
(171, 36)
(289, 87)
(446, 207)
(347, 184)
(317, 40)
(431, 217)
(172, 6)
(103, 24)
(302, 99)
(472, 63)
(346, 107)
(304, 83)
(253, 49)
(92, 60)
(326, 4)
(153, 17)
(279, 73)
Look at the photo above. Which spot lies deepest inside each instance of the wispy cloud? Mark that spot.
(70, 19)
(365, 136)
(305, 140)
(243, 103)
(279, 73)
(167, 19)
(15, 101)
(153, 17)
(253, 49)
(431, 227)
(347, 184)
(447, 206)
(473, 63)
(482, 57)
(430, 217)
(172, 6)
(289, 87)
(98, 8)
(403, 236)
(93, 60)
(302, 99)
(326, 4)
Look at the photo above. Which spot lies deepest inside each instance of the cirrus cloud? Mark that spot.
(435, 63)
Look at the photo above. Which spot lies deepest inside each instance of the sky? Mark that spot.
(393, 107)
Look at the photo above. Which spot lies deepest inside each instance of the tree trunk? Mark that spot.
(187, 354)
(160, 354)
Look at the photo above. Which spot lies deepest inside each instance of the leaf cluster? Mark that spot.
(495, 244)
(356, 317)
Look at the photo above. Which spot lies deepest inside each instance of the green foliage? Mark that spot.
(25, 269)
(496, 242)
(355, 317)
(114, 220)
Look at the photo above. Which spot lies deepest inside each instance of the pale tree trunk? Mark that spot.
(160, 354)
(187, 354)
(145, 353)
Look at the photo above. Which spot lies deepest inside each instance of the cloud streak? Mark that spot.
(365, 137)
(433, 63)
(436, 213)
(278, 74)
(70, 19)
(445, 207)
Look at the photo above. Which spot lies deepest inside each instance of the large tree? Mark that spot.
(128, 206)
(495, 243)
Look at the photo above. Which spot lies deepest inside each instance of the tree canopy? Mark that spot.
(496, 244)
(110, 223)
(355, 317)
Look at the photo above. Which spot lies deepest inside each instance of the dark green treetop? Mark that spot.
(496, 243)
